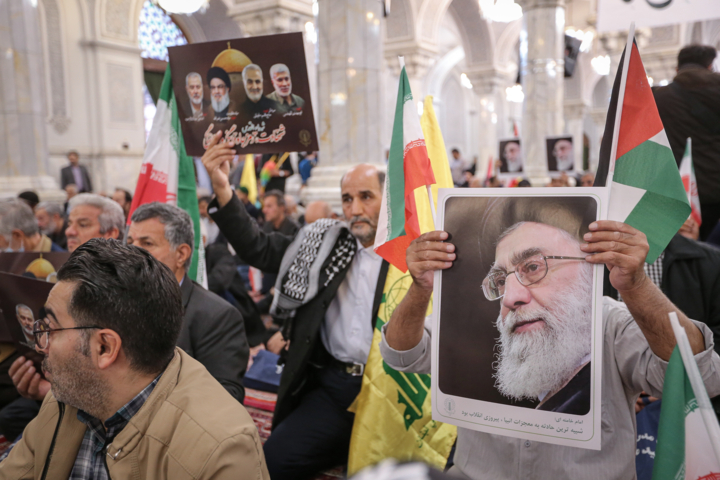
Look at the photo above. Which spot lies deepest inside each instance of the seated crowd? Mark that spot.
(144, 369)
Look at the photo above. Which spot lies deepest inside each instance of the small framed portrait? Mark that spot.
(560, 155)
(511, 159)
(519, 315)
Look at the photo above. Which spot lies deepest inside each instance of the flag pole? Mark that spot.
(693, 373)
(619, 107)
(432, 206)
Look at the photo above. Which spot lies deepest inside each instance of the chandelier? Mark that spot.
(186, 7)
(500, 10)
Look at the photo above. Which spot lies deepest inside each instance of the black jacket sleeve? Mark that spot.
(217, 334)
(221, 268)
(261, 250)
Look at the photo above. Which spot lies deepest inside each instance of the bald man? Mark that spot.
(317, 210)
(331, 332)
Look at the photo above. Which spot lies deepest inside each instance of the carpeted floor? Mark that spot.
(260, 406)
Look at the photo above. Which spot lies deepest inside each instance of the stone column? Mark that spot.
(489, 88)
(542, 45)
(349, 79)
(266, 17)
(574, 121)
(599, 117)
(23, 143)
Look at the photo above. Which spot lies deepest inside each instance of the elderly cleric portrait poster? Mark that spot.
(519, 315)
(560, 155)
(254, 89)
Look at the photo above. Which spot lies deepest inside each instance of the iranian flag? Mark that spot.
(167, 174)
(687, 173)
(688, 435)
(408, 168)
(636, 161)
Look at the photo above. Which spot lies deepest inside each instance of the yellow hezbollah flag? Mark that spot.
(248, 179)
(392, 413)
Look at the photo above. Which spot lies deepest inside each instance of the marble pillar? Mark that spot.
(349, 79)
(542, 46)
(266, 17)
(489, 89)
(574, 125)
(23, 143)
(598, 116)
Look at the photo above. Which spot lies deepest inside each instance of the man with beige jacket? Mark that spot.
(125, 402)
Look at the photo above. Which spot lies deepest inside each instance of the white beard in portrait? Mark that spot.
(541, 361)
(222, 104)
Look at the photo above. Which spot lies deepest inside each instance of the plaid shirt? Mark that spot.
(90, 460)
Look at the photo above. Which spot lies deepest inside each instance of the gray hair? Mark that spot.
(111, 214)
(252, 66)
(22, 306)
(192, 75)
(179, 228)
(52, 208)
(16, 214)
(278, 68)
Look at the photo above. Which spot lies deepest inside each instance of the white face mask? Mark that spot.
(9, 242)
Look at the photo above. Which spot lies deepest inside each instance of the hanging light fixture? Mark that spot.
(186, 7)
(500, 10)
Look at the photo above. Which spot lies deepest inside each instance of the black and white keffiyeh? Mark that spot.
(319, 252)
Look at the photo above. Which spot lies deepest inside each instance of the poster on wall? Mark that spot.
(560, 155)
(616, 15)
(255, 90)
(511, 158)
(551, 394)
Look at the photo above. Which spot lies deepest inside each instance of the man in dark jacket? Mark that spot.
(690, 107)
(225, 281)
(213, 331)
(331, 333)
(75, 174)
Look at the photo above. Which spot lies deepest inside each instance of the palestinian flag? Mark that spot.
(687, 174)
(645, 191)
(408, 168)
(684, 449)
(168, 174)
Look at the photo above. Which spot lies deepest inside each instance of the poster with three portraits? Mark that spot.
(517, 319)
(255, 90)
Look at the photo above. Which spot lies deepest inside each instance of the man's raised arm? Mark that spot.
(261, 250)
(623, 249)
(425, 254)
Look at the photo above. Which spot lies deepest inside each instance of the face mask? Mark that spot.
(10, 249)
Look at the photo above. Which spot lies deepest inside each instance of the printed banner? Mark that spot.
(510, 154)
(560, 155)
(254, 89)
(22, 302)
(616, 15)
(533, 371)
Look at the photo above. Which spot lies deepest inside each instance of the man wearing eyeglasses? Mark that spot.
(125, 401)
(541, 278)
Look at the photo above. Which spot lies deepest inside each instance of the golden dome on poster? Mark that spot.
(231, 60)
(41, 268)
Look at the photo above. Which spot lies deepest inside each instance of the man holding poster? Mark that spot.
(537, 275)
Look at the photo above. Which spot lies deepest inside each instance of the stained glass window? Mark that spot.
(157, 32)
